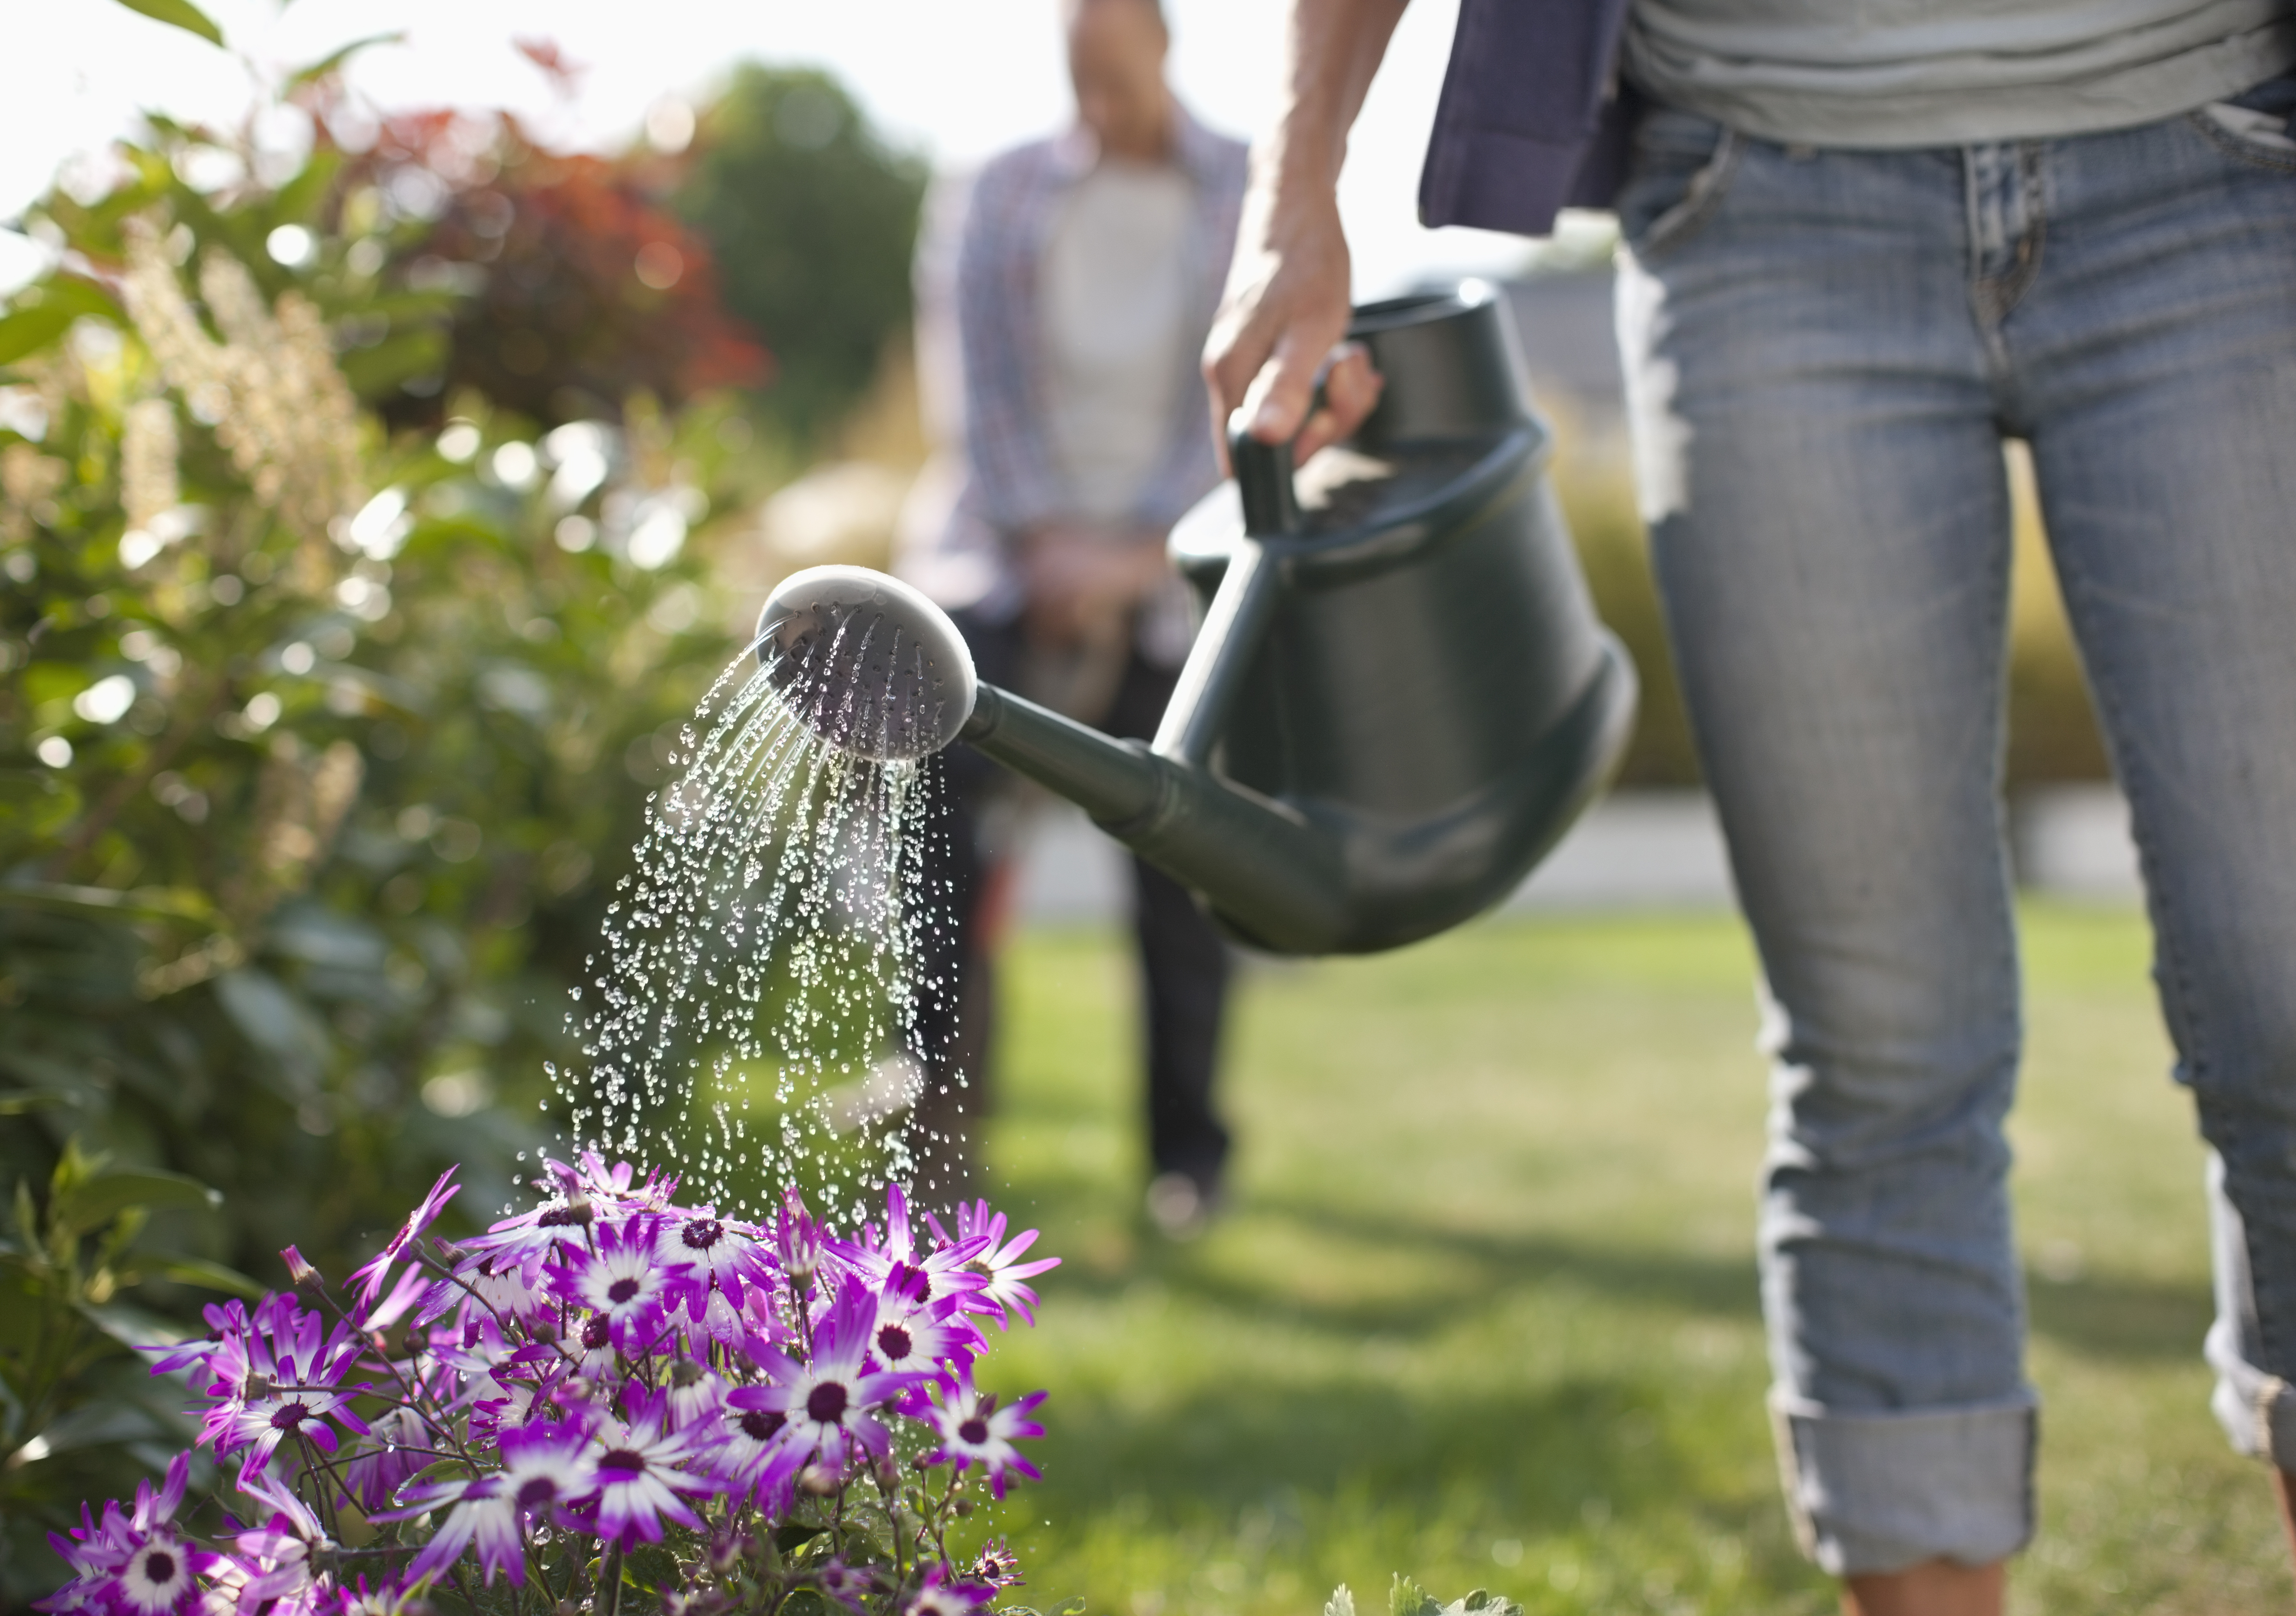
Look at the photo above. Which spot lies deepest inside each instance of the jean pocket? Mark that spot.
(2263, 140)
(1679, 169)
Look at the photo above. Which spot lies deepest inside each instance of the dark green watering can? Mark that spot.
(1398, 702)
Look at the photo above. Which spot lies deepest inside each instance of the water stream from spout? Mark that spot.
(758, 1011)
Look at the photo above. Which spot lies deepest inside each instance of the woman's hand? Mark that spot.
(1281, 324)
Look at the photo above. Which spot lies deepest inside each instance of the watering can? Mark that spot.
(1401, 697)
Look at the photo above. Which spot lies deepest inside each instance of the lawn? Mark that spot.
(1485, 1309)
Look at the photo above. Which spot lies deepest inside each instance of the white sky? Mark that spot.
(957, 79)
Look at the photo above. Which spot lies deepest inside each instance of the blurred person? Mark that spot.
(1863, 247)
(1064, 294)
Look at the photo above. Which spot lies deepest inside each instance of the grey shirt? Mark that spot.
(1896, 73)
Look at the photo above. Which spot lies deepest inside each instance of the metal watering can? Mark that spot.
(1398, 702)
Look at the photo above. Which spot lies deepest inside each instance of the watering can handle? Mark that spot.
(1263, 476)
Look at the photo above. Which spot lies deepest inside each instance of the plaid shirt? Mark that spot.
(1010, 483)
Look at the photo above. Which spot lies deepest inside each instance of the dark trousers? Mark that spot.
(1183, 961)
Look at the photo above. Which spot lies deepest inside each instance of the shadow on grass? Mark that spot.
(2103, 1315)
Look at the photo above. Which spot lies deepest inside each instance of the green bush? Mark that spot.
(319, 749)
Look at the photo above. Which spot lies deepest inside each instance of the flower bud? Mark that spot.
(299, 1269)
(964, 1506)
(820, 1480)
(684, 1371)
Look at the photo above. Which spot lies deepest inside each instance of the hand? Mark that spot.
(1286, 307)
(1084, 581)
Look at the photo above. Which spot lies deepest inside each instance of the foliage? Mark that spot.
(812, 221)
(1406, 1597)
(78, 1414)
(319, 747)
(607, 1394)
(578, 286)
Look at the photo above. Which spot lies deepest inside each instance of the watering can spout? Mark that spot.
(1401, 697)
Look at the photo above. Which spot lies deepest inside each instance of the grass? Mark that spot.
(1485, 1310)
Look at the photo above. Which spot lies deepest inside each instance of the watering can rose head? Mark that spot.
(782, 1409)
(868, 662)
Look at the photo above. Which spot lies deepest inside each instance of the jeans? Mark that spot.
(1824, 352)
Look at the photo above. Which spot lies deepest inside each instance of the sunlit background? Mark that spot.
(956, 80)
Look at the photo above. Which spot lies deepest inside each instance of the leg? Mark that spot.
(2159, 360)
(1184, 967)
(1816, 438)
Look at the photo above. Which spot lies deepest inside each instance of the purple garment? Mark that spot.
(1531, 118)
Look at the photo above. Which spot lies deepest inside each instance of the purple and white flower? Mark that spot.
(974, 1431)
(1002, 1266)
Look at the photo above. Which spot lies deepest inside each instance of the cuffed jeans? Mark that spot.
(1824, 352)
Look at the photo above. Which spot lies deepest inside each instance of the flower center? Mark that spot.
(704, 1233)
(894, 1342)
(825, 1403)
(290, 1416)
(538, 1490)
(974, 1431)
(627, 1460)
(555, 1217)
(621, 1291)
(159, 1567)
(760, 1423)
(597, 1334)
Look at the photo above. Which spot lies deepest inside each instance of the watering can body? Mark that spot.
(1401, 697)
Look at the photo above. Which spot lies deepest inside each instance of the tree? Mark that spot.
(812, 220)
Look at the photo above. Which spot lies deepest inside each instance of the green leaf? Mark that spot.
(1482, 1602)
(130, 1325)
(334, 59)
(1406, 1597)
(178, 13)
(1342, 1603)
(200, 1271)
(24, 1102)
(94, 1204)
(89, 1425)
(145, 903)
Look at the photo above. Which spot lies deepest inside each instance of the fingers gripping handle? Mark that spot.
(1263, 476)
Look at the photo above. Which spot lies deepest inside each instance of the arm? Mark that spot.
(1286, 304)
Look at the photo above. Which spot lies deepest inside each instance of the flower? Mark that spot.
(997, 1565)
(826, 1401)
(974, 1431)
(914, 1333)
(717, 1254)
(370, 1278)
(874, 1259)
(291, 1386)
(1003, 1267)
(849, 1585)
(621, 1282)
(136, 1566)
(273, 1561)
(544, 1469)
(640, 1471)
(796, 1238)
(374, 1477)
(941, 1595)
(754, 1455)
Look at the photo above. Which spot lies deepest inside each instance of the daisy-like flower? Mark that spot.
(370, 1278)
(997, 1565)
(754, 1456)
(544, 1469)
(642, 1467)
(522, 1245)
(874, 1257)
(849, 1585)
(623, 1282)
(915, 1334)
(827, 1402)
(1001, 1267)
(718, 1256)
(138, 1565)
(941, 1594)
(292, 1386)
(273, 1563)
(974, 1431)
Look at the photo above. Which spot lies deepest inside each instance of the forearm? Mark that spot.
(1333, 49)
